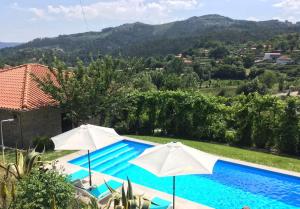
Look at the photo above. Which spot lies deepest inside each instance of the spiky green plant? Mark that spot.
(127, 199)
(15, 171)
(4, 194)
(7, 193)
(22, 165)
(93, 204)
(53, 203)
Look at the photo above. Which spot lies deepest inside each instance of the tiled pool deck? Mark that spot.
(98, 178)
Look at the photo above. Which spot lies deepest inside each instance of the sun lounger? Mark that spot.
(160, 204)
(83, 184)
(102, 191)
(78, 175)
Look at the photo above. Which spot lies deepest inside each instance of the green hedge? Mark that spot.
(252, 120)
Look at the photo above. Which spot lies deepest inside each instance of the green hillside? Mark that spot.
(140, 39)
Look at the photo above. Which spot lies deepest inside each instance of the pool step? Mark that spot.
(111, 158)
(105, 155)
(84, 159)
(114, 171)
(105, 158)
(120, 162)
(117, 162)
(112, 149)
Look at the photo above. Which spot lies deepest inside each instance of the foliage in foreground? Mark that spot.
(13, 172)
(28, 183)
(23, 165)
(39, 189)
(127, 199)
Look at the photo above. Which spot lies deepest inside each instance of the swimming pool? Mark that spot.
(231, 186)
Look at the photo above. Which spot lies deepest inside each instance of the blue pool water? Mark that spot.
(231, 186)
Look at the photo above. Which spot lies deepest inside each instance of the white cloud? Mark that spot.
(290, 10)
(120, 10)
(40, 13)
(288, 4)
(36, 12)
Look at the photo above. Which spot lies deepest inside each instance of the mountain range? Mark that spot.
(8, 44)
(139, 39)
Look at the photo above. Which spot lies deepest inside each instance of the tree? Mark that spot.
(281, 80)
(243, 122)
(259, 49)
(248, 61)
(229, 72)
(268, 78)
(143, 82)
(202, 70)
(219, 52)
(172, 82)
(254, 72)
(157, 78)
(190, 80)
(251, 87)
(79, 92)
(283, 45)
(265, 111)
(175, 65)
(288, 132)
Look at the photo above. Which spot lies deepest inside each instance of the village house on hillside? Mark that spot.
(35, 113)
(284, 60)
(271, 56)
(277, 57)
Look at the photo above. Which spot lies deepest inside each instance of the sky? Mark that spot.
(24, 20)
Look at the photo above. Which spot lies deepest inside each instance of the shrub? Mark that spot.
(288, 131)
(37, 191)
(222, 92)
(230, 137)
(257, 120)
(251, 87)
(43, 142)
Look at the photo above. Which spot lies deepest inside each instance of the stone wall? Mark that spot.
(41, 122)
(29, 125)
(11, 130)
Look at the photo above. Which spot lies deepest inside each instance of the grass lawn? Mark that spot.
(287, 163)
(47, 156)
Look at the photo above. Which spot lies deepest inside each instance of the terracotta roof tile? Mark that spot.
(19, 91)
(284, 57)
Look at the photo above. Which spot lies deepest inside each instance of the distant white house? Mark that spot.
(179, 56)
(283, 60)
(288, 93)
(271, 56)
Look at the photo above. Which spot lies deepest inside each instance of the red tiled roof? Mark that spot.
(284, 58)
(19, 91)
